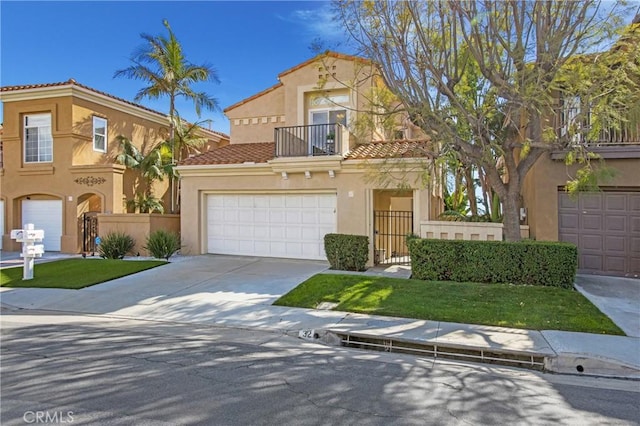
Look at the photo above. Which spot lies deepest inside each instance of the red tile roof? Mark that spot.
(262, 152)
(392, 149)
(72, 82)
(237, 153)
(327, 54)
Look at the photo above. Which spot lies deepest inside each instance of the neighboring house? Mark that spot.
(295, 170)
(605, 225)
(59, 145)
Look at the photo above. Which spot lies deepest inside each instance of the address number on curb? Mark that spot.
(309, 334)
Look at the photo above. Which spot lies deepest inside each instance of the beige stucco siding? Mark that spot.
(255, 120)
(77, 171)
(540, 191)
(355, 198)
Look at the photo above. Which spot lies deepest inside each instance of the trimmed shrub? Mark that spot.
(115, 245)
(347, 252)
(525, 262)
(162, 244)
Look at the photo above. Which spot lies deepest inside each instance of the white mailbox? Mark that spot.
(36, 250)
(28, 237)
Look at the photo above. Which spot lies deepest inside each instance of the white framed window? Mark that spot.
(38, 141)
(99, 134)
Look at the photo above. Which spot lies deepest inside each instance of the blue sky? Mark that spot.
(248, 42)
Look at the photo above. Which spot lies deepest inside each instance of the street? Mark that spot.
(82, 369)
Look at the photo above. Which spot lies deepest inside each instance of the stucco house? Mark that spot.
(296, 169)
(59, 143)
(605, 225)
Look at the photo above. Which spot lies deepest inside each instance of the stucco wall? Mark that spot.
(76, 170)
(284, 106)
(540, 191)
(355, 197)
(255, 120)
(138, 226)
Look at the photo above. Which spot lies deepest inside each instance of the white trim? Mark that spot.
(106, 133)
(24, 137)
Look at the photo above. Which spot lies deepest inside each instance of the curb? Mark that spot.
(562, 363)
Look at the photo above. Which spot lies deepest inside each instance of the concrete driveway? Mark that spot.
(206, 288)
(618, 298)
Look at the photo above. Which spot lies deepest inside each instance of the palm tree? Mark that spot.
(161, 63)
(152, 166)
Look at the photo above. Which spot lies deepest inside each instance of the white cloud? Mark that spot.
(317, 22)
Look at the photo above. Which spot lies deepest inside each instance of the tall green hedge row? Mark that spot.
(347, 252)
(525, 262)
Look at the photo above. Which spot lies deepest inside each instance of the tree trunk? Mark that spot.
(511, 215)
(471, 191)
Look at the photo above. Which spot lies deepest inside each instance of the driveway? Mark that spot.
(207, 288)
(616, 297)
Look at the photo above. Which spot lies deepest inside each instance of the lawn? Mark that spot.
(75, 273)
(528, 307)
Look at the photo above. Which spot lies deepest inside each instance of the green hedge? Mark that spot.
(347, 252)
(525, 262)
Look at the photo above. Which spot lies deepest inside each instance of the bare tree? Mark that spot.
(472, 63)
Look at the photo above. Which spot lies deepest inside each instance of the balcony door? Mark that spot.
(323, 124)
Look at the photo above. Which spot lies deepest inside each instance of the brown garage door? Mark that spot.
(606, 228)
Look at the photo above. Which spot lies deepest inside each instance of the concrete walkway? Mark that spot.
(239, 291)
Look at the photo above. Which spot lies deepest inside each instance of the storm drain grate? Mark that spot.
(441, 351)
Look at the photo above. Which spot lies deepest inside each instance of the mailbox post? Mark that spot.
(28, 237)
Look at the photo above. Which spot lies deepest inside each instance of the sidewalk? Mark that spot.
(239, 291)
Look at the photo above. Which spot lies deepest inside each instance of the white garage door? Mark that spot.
(1, 221)
(47, 215)
(287, 225)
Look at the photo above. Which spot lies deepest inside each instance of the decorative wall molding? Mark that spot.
(90, 180)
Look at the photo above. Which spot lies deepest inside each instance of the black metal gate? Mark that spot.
(89, 232)
(390, 230)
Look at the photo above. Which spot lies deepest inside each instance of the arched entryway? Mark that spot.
(87, 209)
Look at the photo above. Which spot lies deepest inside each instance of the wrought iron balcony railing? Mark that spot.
(306, 141)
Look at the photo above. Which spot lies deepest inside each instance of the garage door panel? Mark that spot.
(592, 222)
(245, 216)
(293, 217)
(590, 201)
(568, 221)
(635, 224)
(295, 202)
(592, 262)
(615, 244)
(616, 264)
(616, 202)
(615, 223)
(567, 203)
(591, 242)
(570, 238)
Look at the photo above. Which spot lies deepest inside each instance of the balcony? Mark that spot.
(617, 138)
(614, 132)
(311, 141)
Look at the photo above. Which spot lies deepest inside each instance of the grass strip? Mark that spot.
(75, 273)
(504, 305)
